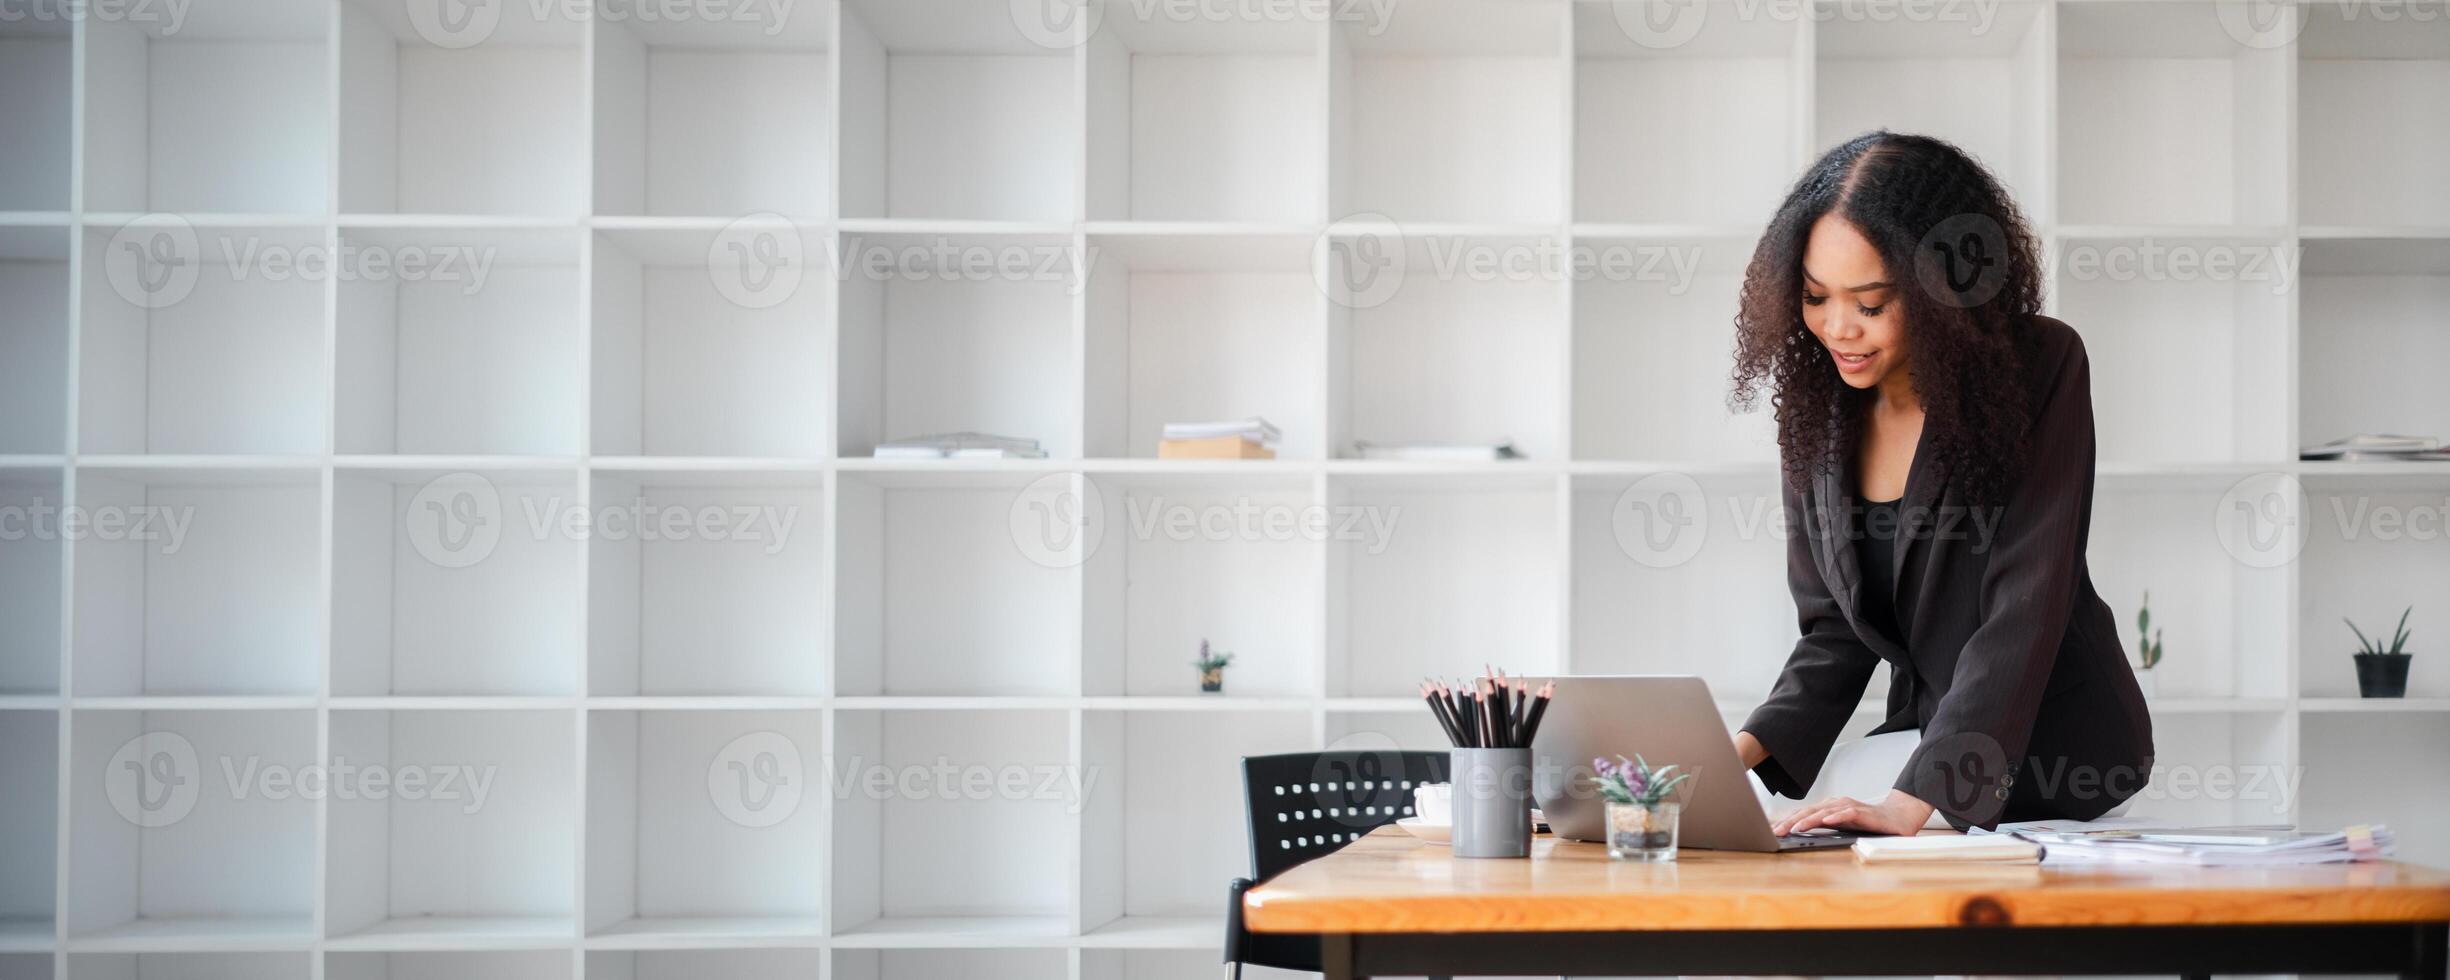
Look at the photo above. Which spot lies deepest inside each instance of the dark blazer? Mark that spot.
(2011, 665)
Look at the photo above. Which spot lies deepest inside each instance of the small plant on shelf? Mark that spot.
(1212, 664)
(2147, 646)
(2381, 672)
(1641, 819)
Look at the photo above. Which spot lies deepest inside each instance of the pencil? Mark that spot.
(1539, 706)
(1522, 712)
(1438, 709)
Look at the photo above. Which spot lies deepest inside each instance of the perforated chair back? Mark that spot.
(1305, 804)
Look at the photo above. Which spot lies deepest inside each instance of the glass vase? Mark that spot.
(1643, 833)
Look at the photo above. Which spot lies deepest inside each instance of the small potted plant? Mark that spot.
(1641, 819)
(1212, 666)
(2381, 672)
(2147, 646)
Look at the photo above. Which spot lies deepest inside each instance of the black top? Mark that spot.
(2007, 660)
(1876, 550)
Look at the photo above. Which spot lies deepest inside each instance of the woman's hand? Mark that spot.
(1898, 813)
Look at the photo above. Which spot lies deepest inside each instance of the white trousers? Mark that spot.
(1865, 769)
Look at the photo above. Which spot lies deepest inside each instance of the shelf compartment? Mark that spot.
(2217, 770)
(2367, 327)
(37, 60)
(412, 71)
(1234, 561)
(1166, 964)
(2372, 549)
(1169, 777)
(455, 583)
(27, 966)
(194, 341)
(926, 855)
(1450, 112)
(1202, 121)
(674, 137)
(2226, 618)
(33, 333)
(929, 964)
(1189, 329)
(931, 344)
(1465, 576)
(1651, 551)
(1877, 72)
(212, 590)
(681, 605)
(1652, 354)
(543, 964)
(174, 847)
(189, 966)
(2370, 145)
(481, 354)
(957, 587)
(953, 110)
(2348, 782)
(2143, 304)
(1673, 129)
(220, 111)
(30, 583)
(706, 342)
(2165, 118)
(1443, 353)
(705, 825)
(1377, 729)
(484, 856)
(29, 760)
(727, 964)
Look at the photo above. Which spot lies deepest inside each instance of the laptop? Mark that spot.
(1669, 719)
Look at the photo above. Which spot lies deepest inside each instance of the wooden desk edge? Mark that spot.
(1309, 900)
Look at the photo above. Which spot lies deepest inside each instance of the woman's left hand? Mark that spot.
(1898, 813)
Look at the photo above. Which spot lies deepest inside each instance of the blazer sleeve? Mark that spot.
(1977, 736)
(1824, 678)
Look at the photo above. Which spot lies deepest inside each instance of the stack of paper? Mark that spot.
(1250, 438)
(2217, 846)
(1438, 452)
(1948, 848)
(961, 445)
(2377, 448)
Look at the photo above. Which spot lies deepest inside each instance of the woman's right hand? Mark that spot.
(1748, 749)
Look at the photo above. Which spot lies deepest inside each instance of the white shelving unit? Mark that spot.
(417, 512)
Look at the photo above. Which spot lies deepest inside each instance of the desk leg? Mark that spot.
(1336, 957)
(2431, 957)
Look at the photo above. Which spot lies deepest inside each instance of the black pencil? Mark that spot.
(1522, 711)
(1446, 718)
(1539, 706)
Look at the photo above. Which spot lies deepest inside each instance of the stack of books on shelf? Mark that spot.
(961, 445)
(2370, 448)
(1438, 452)
(1250, 438)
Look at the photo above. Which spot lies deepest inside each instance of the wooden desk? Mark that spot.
(1390, 905)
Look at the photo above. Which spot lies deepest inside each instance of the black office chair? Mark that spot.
(1305, 804)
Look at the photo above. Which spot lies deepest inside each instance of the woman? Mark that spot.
(1937, 440)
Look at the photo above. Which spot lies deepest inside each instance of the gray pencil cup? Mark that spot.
(1492, 792)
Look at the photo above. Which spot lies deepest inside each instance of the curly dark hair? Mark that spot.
(1930, 209)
